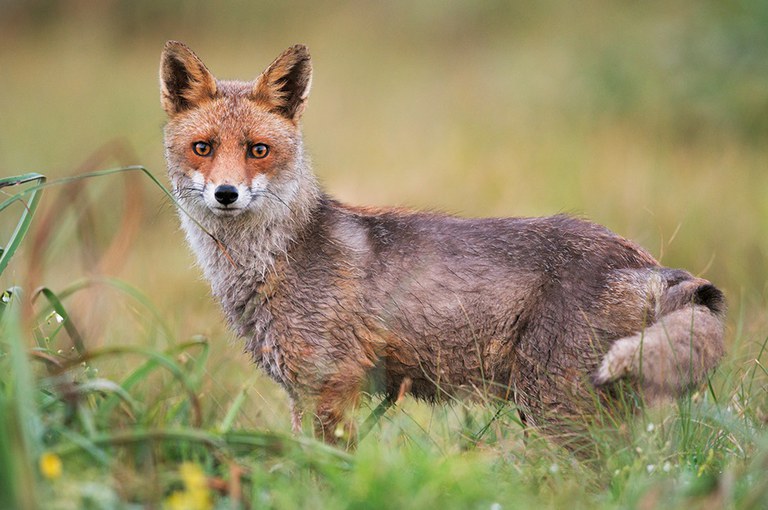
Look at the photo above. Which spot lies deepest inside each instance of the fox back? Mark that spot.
(331, 299)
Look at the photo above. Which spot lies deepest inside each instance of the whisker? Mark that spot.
(188, 191)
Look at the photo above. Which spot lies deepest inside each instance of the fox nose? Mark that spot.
(225, 194)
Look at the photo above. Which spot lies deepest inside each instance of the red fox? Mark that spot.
(334, 299)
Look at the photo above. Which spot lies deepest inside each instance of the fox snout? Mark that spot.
(228, 198)
(226, 194)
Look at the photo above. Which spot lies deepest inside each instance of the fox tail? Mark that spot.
(674, 353)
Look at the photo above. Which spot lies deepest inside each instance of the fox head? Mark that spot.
(235, 147)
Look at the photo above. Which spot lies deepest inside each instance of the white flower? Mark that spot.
(666, 467)
(554, 468)
(495, 506)
(650, 427)
(650, 468)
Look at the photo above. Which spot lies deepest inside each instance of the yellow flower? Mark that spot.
(195, 495)
(50, 465)
(193, 477)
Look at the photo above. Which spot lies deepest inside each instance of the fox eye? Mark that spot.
(203, 149)
(258, 151)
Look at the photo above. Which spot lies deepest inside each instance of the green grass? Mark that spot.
(114, 359)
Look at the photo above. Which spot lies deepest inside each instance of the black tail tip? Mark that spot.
(710, 296)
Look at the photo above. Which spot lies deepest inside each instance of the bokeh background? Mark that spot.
(649, 117)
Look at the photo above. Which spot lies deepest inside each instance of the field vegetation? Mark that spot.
(120, 386)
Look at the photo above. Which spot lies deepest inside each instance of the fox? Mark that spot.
(338, 302)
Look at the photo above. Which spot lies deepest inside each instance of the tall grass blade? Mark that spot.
(266, 442)
(66, 320)
(234, 408)
(22, 227)
(20, 423)
(89, 175)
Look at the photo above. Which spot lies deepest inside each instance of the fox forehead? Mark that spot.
(232, 119)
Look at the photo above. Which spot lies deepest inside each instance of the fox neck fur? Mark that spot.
(244, 249)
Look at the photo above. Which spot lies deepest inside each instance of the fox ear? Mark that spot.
(184, 79)
(284, 86)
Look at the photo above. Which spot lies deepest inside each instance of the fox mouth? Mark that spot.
(225, 211)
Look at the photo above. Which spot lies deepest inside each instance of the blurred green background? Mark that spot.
(649, 117)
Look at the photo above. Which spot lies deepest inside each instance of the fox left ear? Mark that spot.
(184, 79)
(285, 84)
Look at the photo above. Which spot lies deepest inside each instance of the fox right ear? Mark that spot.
(184, 79)
(285, 84)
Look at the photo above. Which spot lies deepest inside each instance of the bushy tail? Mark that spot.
(675, 353)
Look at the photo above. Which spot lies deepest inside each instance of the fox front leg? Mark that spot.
(336, 402)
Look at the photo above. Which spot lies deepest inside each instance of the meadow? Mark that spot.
(120, 386)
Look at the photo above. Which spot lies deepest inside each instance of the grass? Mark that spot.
(119, 385)
(149, 434)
